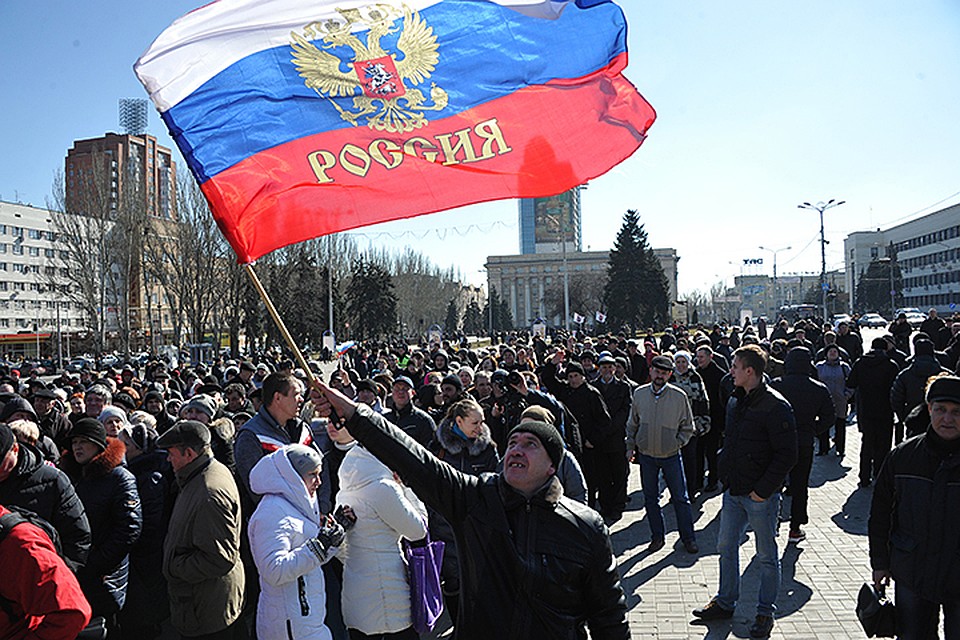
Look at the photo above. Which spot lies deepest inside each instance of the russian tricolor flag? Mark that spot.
(301, 118)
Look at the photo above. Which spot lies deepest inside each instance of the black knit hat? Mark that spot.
(90, 429)
(6, 439)
(548, 435)
(454, 381)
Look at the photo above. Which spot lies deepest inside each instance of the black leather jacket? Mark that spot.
(759, 443)
(530, 568)
(914, 520)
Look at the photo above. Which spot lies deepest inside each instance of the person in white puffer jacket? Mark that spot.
(290, 540)
(376, 594)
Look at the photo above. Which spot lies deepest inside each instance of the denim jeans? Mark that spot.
(735, 514)
(672, 468)
(917, 618)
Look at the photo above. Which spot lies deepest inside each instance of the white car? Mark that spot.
(872, 320)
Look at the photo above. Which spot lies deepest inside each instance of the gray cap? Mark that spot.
(185, 433)
(303, 459)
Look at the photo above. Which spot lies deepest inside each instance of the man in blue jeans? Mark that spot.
(660, 423)
(759, 449)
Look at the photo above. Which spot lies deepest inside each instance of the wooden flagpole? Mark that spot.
(279, 321)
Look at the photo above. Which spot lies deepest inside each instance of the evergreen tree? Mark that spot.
(502, 318)
(873, 288)
(473, 320)
(371, 303)
(451, 324)
(637, 294)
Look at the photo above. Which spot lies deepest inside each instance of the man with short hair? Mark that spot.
(759, 449)
(276, 424)
(94, 400)
(660, 424)
(416, 422)
(505, 524)
(914, 520)
(712, 373)
(201, 552)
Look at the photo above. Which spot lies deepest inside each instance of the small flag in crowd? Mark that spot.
(601, 317)
(299, 119)
(577, 318)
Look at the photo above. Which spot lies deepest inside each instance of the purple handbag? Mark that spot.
(424, 559)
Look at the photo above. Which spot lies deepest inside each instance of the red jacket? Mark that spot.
(44, 594)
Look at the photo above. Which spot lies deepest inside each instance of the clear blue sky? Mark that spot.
(761, 105)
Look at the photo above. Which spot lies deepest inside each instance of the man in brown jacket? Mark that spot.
(201, 553)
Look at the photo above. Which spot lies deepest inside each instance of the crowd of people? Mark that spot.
(257, 499)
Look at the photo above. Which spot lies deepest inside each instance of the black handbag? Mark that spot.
(876, 612)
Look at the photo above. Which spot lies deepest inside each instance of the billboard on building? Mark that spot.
(553, 215)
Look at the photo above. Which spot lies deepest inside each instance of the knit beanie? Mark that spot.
(548, 436)
(112, 411)
(17, 404)
(303, 459)
(454, 381)
(90, 429)
(6, 440)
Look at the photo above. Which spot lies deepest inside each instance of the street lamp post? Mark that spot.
(776, 291)
(820, 207)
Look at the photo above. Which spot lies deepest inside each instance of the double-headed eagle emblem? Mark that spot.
(383, 87)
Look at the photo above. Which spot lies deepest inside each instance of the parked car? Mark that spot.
(872, 320)
(915, 318)
(840, 317)
(77, 364)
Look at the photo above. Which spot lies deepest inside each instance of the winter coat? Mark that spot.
(376, 595)
(872, 376)
(472, 457)
(617, 396)
(201, 553)
(293, 598)
(910, 384)
(531, 568)
(660, 424)
(810, 399)
(913, 518)
(692, 385)
(414, 421)
(259, 436)
(109, 496)
(147, 601)
(48, 492)
(585, 403)
(835, 377)
(45, 599)
(711, 375)
(759, 443)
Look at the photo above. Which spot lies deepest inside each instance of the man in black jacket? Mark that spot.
(534, 564)
(814, 413)
(587, 406)
(712, 373)
(613, 470)
(415, 421)
(914, 520)
(27, 481)
(759, 449)
(872, 376)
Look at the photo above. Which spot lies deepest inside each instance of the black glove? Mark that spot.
(330, 535)
(345, 517)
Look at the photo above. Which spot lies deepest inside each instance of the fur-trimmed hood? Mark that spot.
(102, 464)
(455, 444)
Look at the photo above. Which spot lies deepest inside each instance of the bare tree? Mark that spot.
(188, 258)
(80, 266)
